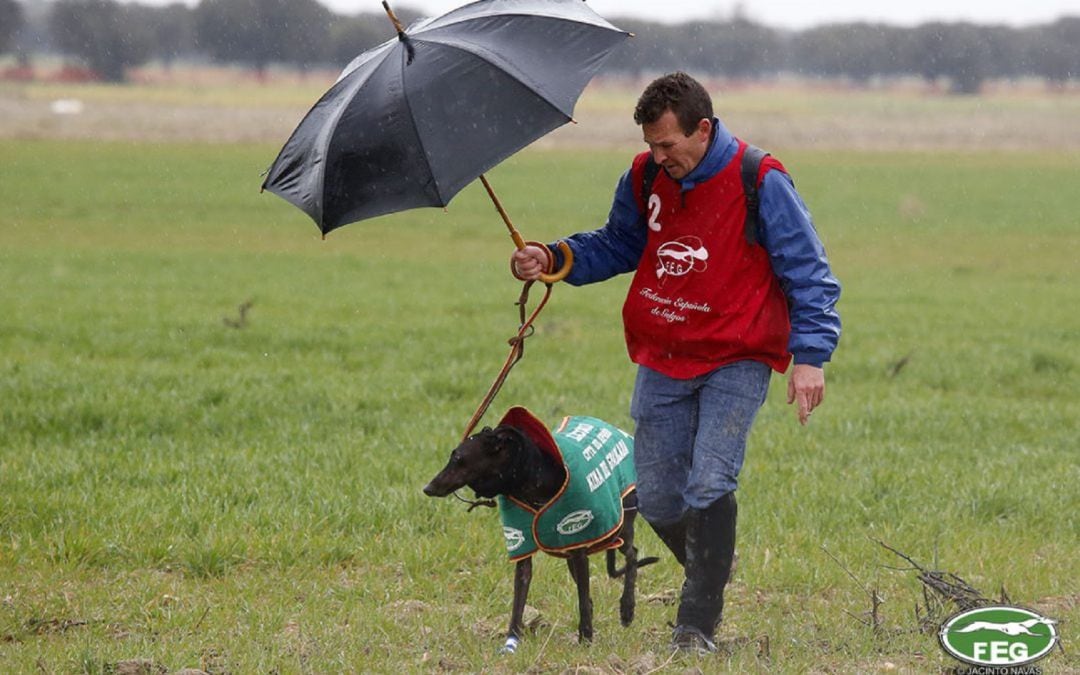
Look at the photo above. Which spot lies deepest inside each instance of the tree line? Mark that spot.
(110, 37)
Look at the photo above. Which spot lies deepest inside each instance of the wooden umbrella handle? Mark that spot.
(519, 241)
(393, 18)
(564, 271)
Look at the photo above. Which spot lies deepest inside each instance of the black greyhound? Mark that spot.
(505, 461)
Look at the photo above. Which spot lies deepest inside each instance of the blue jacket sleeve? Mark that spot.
(613, 249)
(798, 260)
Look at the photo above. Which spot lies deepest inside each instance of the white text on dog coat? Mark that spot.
(603, 471)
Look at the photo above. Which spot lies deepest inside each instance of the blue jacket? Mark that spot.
(787, 233)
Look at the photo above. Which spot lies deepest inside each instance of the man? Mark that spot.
(713, 308)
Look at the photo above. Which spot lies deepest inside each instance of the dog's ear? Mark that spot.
(488, 438)
(507, 438)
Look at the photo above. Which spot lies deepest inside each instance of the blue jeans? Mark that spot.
(690, 438)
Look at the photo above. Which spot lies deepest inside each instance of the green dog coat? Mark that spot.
(587, 511)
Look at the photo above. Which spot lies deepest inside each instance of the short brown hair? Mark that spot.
(679, 93)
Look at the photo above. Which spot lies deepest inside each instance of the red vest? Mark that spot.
(703, 296)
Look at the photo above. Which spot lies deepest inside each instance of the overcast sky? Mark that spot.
(793, 13)
(777, 13)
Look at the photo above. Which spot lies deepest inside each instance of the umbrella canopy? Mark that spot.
(413, 121)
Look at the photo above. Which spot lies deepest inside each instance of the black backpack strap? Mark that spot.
(751, 165)
(648, 177)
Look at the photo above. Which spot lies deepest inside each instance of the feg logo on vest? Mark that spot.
(681, 257)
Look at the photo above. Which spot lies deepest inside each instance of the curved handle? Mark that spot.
(519, 241)
(562, 272)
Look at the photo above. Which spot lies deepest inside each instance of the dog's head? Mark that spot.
(488, 462)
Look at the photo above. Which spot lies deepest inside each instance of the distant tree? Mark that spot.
(655, 48)
(34, 34)
(11, 20)
(172, 28)
(860, 51)
(351, 35)
(1008, 56)
(1067, 31)
(737, 48)
(734, 48)
(929, 48)
(261, 32)
(1053, 50)
(971, 59)
(103, 34)
(958, 51)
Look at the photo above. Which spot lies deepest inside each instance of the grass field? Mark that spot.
(248, 500)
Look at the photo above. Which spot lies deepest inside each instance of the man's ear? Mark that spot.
(704, 126)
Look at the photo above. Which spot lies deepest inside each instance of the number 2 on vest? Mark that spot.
(654, 212)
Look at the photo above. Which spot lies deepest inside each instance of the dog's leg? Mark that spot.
(627, 601)
(578, 562)
(522, 579)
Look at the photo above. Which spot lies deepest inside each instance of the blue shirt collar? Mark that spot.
(722, 149)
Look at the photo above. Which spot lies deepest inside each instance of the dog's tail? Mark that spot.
(616, 572)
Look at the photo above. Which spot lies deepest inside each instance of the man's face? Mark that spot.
(672, 149)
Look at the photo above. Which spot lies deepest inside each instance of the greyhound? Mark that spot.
(508, 462)
(1014, 628)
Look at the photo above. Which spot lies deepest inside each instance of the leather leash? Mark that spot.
(517, 351)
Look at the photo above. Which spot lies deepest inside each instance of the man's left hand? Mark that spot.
(806, 387)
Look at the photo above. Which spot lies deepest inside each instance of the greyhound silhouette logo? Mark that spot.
(514, 538)
(998, 636)
(681, 257)
(575, 522)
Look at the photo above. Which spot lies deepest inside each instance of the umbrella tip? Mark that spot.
(393, 18)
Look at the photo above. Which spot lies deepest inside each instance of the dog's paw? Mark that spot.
(511, 645)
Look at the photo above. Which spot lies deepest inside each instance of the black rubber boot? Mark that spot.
(710, 549)
(674, 537)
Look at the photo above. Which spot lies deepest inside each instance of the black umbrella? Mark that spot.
(416, 119)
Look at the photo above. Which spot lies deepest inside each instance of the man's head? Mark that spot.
(679, 93)
(675, 113)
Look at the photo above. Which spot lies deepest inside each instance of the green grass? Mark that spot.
(249, 500)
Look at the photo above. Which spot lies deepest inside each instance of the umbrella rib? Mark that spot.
(416, 132)
(318, 201)
(332, 128)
